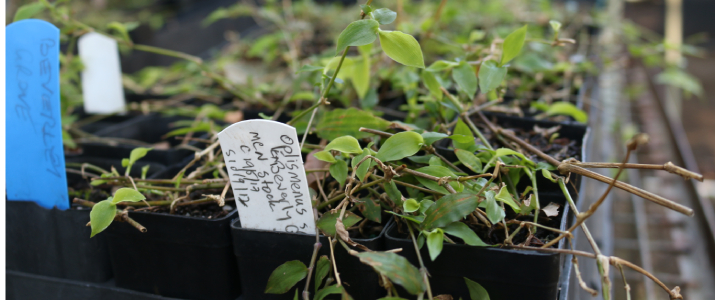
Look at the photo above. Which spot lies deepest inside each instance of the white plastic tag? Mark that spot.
(102, 74)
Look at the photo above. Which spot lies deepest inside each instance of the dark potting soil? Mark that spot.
(206, 211)
(560, 148)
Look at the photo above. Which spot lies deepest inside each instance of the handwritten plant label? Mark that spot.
(35, 156)
(267, 176)
(102, 74)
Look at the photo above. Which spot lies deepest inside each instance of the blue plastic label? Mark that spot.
(34, 152)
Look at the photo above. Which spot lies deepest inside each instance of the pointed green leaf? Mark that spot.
(430, 81)
(490, 76)
(461, 129)
(410, 205)
(505, 197)
(384, 16)
(138, 153)
(285, 277)
(325, 156)
(438, 171)
(326, 223)
(431, 137)
(469, 160)
(513, 44)
(393, 192)
(127, 194)
(494, 211)
(555, 25)
(465, 78)
(102, 215)
(358, 33)
(329, 290)
(441, 65)
(435, 241)
(396, 268)
(339, 171)
(400, 145)
(28, 11)
(402, 48)
(448, 209)
(476, 291)
(465, 233)
(568, 109)
(366, 165)
(322, 269)
(345, 144)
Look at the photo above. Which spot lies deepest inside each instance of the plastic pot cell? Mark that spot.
(259, 252)
(179, 256)
(506, 274)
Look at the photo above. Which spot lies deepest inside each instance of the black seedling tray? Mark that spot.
(506, 274)
(149, 129)
(24, 286)
(178, 256)
(259, 252)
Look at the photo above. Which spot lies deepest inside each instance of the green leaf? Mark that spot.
(339, 171)
(102, 215)
(402, 48)
(341, 122)
(465, 233)
(330, 290)
(384, 16)
(441, 65)
(28, 11)
(431, 137)
(503, 152)
(547, 174)
(121, 29)
(400, 145)
(680, 79)
(393, 192)
(410, 205)
(465, 78)
(490, 76)
(325, 156)
(371, 209)
(448, 209)
(345, 144)
(430, 81)
(438, 171)
(358, 33)
(285, 277)
(125, 162)
(366, 165)
(555, 25)
(476, 291)
(396, 268)
(309, 68)
(461, 129)
(469, 160)
(127, 194)
(505, 197)
(513, 44)
(327, 222)
(138, 153)
(366, 8)
(494, 212)
(321, 270)
(360, 76)
(435, 241)
(566, 108)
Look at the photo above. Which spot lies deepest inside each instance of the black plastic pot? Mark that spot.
(259, 252)
(148, 129)
(178, 256)
(506, 274)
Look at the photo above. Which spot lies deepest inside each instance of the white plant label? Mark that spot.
(267, 176)
(102, 74)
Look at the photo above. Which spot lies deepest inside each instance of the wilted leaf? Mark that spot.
(358, 33)
(465, 78)
(402, 48)
(448, 209)
(476, 291)
(102, 215)
(551, 210)
(400, 145)
(396, 268)
(285, 277)
(327, 222)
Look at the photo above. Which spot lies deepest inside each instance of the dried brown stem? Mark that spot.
(669, 167)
